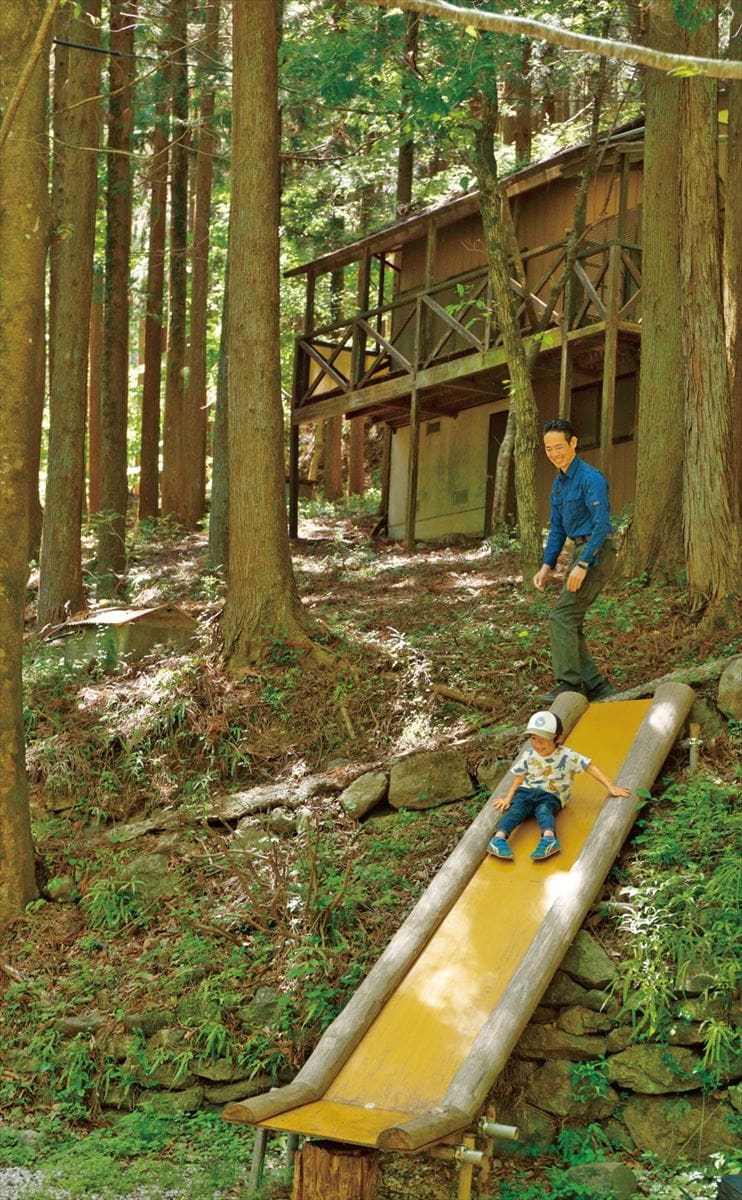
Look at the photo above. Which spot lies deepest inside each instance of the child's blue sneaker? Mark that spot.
(498, 847)
(545, 849)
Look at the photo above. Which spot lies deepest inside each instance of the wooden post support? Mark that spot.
(413, 458)
(609, 360)
(565, 365)
(330, 1171)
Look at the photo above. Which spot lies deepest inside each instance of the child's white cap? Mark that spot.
(542, 724)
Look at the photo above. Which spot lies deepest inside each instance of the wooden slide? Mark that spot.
(411, 1058)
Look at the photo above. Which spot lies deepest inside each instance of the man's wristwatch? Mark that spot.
(585, 566)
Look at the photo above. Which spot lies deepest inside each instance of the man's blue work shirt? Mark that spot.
(579, 508)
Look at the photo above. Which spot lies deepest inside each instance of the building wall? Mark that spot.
(452, 472)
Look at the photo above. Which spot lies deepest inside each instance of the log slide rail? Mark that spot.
(409, 1062)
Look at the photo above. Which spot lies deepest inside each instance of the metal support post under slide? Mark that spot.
(258, 1160)
(292, 1145)
(467, 1156)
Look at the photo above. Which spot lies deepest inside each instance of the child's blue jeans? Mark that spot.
(530, 802)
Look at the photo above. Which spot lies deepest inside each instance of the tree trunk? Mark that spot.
(502, 475)
(194, 482)
(149, 453)
(23, 236)
(357, 456)
(522, 401)
(332, 476)
(115, 384)
(95, 369)
(262, 600)
(654, 542)
(174, 465)
(328, 1169)
(77, 131)
(517, 124)
(406, 155)
(36, 395)
(710, 529)
(219, 505)
(733, 253)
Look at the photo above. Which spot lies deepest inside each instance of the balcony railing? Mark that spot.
(457, 317)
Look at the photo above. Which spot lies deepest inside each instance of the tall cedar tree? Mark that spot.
(174, 461)
(149, 450)
(262, 599)
(733, 252)
(23, 236)
(77, 129)
(710, 527)
(522, 401)
(655, 544)
(111, 549)
(194, 482)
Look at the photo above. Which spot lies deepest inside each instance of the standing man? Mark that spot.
(580, 510)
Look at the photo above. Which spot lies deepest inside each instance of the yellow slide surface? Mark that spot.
(426, 1030)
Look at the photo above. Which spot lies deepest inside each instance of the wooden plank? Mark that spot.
(413, 461)
(591, 292)
(453, 324)
(391, 350)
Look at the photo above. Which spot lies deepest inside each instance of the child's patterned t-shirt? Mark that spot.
(552, 772)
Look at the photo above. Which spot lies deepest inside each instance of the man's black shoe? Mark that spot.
(559, 690)
(601, 691)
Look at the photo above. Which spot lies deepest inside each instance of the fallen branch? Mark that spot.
(471, 699)
(699, 673)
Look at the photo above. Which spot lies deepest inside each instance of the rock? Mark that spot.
(115, 1095)
(655, 1070)
(264, 1007)
(242, 1089)
(604, 1179)
(490, 774)
(619, 1038)
(735, 1097)
(84, 1023)
(693, 1127)
(152, 876)
(537, 1132)
(148, 1022)
(546, 1041)
(177, 1102)
(580, 1021)
(587, 962)
(426, 780)
(220, 1070)
(553, 1090)
(283, 824)
(364, 793)
(251, 838)
(62, 889)
(707, 717)
(116, 1044)
(729, 696)
(563, 991)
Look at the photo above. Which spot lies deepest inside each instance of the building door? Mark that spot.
(495, 435)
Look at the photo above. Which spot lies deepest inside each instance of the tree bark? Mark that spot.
(149, 451)
(406, 155)
(654, 543)
(111, 566)
(733, 254)
(77, 134)
(710, 529)
(23, 236)
(357, 456)
(219, 506)
(194, 482)
(522, 401)
(95, 370)
(325, 1169)
(174, 463)
(262, 600)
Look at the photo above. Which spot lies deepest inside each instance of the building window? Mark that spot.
(432, 427)
(586, 412)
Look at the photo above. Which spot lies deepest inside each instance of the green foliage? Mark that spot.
(683, 914)
(584, 1145)
(589, 1080)
(113, 903)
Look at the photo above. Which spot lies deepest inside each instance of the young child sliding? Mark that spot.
(542, 784)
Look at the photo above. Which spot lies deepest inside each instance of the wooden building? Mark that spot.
(422, 350)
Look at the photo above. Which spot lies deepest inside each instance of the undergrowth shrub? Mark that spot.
(682, 917)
